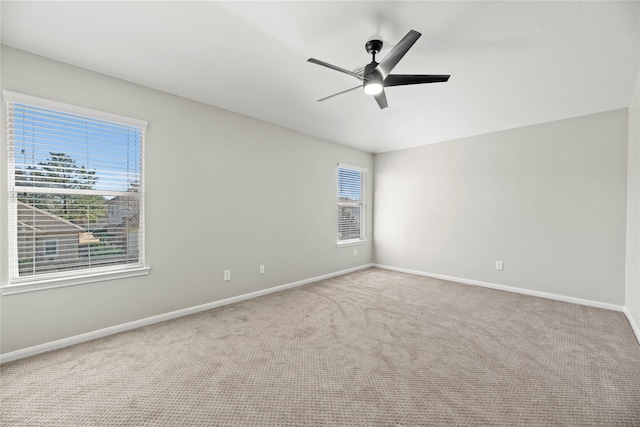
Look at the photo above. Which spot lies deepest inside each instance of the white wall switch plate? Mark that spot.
(262, 269)
(498, 265)
(227, 275)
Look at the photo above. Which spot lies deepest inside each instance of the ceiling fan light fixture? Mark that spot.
(372, 87)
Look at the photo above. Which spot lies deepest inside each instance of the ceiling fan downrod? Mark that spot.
(373, 47)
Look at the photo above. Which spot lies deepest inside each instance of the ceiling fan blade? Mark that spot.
(381, 99)
(414, 79)
(335, 67)
(339, 93)
(396, 54)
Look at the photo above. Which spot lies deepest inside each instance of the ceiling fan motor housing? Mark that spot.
(370, 68)
(374, 82)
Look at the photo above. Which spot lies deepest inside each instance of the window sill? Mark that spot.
(352, 243)
(39, 285)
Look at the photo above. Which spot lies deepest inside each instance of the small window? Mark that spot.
(75, 191)
(51, 247)
(352, 185)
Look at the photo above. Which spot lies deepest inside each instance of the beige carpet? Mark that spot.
(372, 348)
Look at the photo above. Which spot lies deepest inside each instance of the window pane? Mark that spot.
(349, 185)
(59, 233)
(59, 150)
(348, 223)
(351, 188)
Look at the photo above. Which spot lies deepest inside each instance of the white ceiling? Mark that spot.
(512, 64)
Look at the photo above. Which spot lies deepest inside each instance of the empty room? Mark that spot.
(318, 213)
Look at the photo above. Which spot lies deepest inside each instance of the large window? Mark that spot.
(76, 206)
(352, 185)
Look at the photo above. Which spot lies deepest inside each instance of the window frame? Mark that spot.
(17, 284)
(362, 204)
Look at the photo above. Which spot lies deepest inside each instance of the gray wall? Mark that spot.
(258, 194)
(632, 302)
(548, 200)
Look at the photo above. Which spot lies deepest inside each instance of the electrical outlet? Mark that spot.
(498, 265)
(355, 252)
(262, 269)
(227, 275)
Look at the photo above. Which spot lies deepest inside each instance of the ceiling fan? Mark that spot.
(376, 76)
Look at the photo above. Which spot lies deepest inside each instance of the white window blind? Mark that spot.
(352, 184)
(75, 190)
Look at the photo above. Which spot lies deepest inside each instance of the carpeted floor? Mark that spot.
(372, 348)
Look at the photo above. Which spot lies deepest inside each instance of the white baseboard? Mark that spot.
(65, 342)
(547, 295)
(632, 322)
